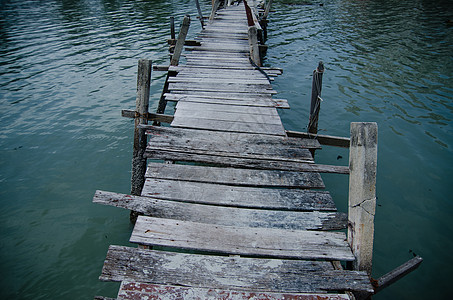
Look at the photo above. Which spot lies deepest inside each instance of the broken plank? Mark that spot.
(240, 162)
(235, 177)
(238, 196)
(244, 241)
(228, 216)
(205, 271)
(141, 290)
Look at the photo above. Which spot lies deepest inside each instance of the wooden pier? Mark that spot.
(231, 205)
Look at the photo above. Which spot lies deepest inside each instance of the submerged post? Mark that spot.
(141, 112)
(362, 193)
(315, 99)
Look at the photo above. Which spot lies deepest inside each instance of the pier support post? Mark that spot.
(141, 112)
(362, 193)
(315, 98)
(174, 62)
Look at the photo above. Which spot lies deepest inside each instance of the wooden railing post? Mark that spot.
(362, 193)
(173, 62)
(253, 36)
(315, 99)
(180, 41)
(200, 14)
(140, 140)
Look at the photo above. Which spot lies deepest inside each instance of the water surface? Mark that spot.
(68, 67)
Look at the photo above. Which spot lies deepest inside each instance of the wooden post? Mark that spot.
(140, 140)
(362, 193)
(315, 99)
(174, 62)
(254, 47)
(180, 42)
(267, 9)
(172, 28)
(200, 15)
(215, 6)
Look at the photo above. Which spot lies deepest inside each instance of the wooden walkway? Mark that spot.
(241, 214)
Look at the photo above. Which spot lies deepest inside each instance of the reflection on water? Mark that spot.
(68, 67)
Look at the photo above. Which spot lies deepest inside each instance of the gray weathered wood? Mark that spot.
(239, 162)
(235, 177)
(228, 216)
(222, 87)
(277, 103)
(328, 140)
(140, 139)
(246, 241)
(398, 273)
(227, 116)
(362, 193)
(230, 126)
(150, 116)
(132, 264)
(315, 99)
(180, 42)
(253, 44)
(233, 142)
(141, 290)
(238, 196)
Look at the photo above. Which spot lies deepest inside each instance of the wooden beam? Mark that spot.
(328, 140)
(150, 116)
(362, 193)
(398, 273)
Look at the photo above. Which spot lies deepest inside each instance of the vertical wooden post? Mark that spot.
(180, 42)
(200, 15)
(140, 140)
(362, 193)
(172, 28)
(315, 99)
(254, 47)
(174, 62)
(215, 6)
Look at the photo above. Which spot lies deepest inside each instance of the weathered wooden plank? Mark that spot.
(269, 111)
(232, 142)
(235, 177)
(240, 162)
(239, 196)
(207, 73)
(238, 273)
(230, 126)
(218, 80)
(223, 87)
(224, 95)
(227, 116)
(140, 290)
(228, 216)
(277, 103)
(245, 241)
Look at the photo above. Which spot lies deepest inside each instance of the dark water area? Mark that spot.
(68, 67)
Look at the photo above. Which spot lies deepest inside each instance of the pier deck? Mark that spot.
(241, 214)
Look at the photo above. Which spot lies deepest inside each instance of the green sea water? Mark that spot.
(68, 67)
